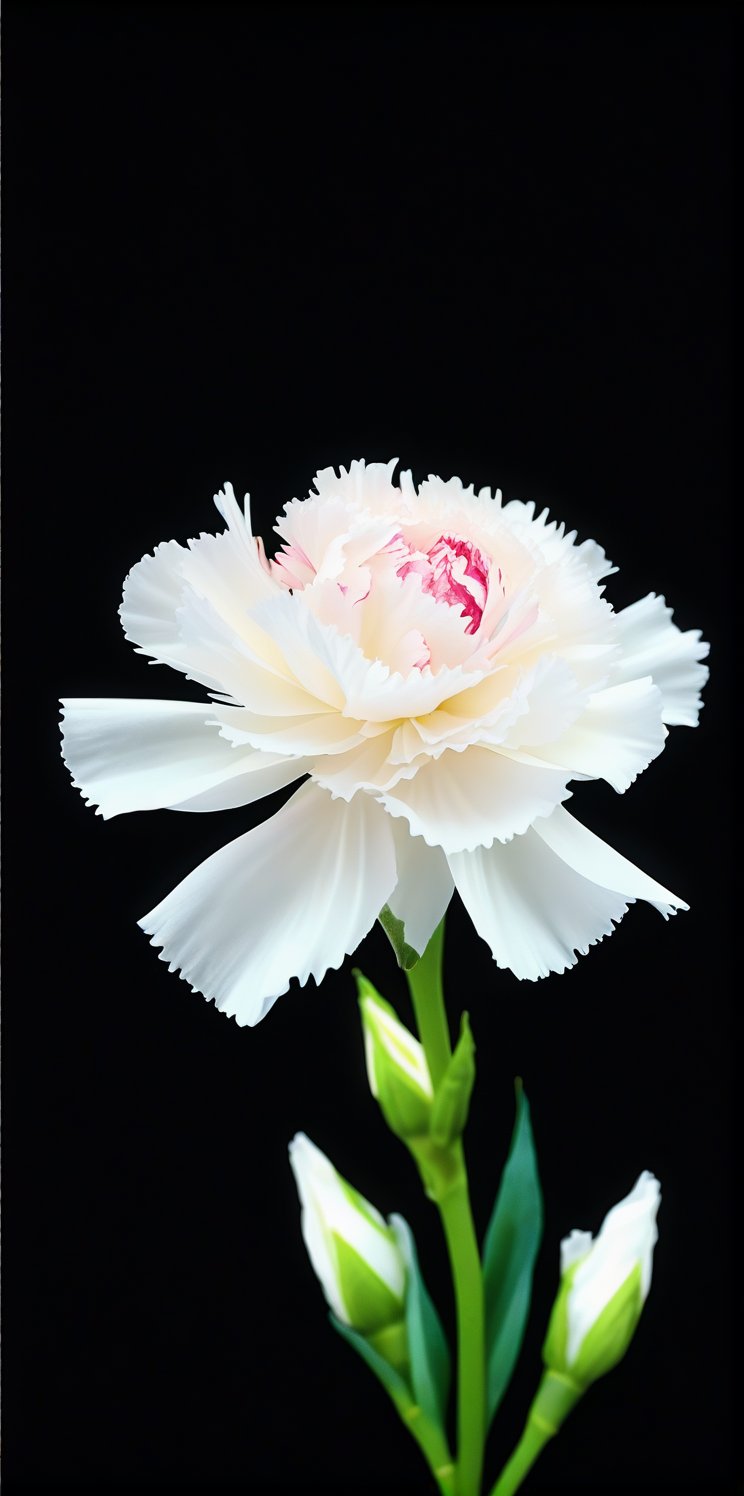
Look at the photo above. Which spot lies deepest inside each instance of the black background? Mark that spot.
(245, 243)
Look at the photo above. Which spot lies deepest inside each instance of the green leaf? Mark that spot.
(427, 1342)
(394, 928)
(428, 1434)
(509, 1253)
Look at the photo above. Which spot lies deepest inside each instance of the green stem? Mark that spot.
(433, 1447)
(425, 982)
(533, 1440)
(427, 994)
(556, 1396)
(467, 1277)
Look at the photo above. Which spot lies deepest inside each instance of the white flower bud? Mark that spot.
(605, 1283)
(353, 1251)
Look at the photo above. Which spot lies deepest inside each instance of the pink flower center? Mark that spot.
(455, 572)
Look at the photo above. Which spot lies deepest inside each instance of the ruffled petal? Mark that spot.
(217, 577)
(424, 888)
(324, 733)
(288, 899)
(594, 859)
(149, 755)
(652, 645)
(616, 737)
(333, 667)
(550, 894)
(532, 911)
(367, 766)
(465, 800)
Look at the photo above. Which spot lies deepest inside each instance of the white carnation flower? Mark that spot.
(437, 667)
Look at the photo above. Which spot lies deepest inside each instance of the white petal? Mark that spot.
(290, 898)
(574, 1247)
(249, 668)
(532, 910)
(222, 572)
(334, 669)
(466, 800)
(368, 485)
(633, 1222)
(381, 695)
(652, 645)
(314, 1177)
(144, 755)
(617, 735)
(152, 596)
(424, 888)
(327, 732)
(366, 766)
(513, 707)
(553, 700)
(313, 651)
(592, 858)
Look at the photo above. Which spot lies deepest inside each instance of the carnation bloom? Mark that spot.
(437, 667)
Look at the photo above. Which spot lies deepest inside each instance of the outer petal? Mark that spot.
(224, 572)
(146, 755)
(652, 645)
(466, 800)
(424, 888)
(152, 596)
(592, 858)
(550, 894)
(617, 735)
(367, 485)
(289, 899)
(532, 910)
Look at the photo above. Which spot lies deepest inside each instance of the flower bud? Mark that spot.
(604, 1285)
(398, 1074)
(354, 1253)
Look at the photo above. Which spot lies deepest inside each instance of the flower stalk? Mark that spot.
(556, 1396)
(445, 1175)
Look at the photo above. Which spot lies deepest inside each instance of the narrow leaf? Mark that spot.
(428, 1434)
(427, 1342)
(509, 1252)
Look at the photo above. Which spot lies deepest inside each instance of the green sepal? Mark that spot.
(394, 928)
(609, 1337)
(428, 1350)
(370, 1304)
(510, 1248)
(556, 1339)
(449, 1112)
